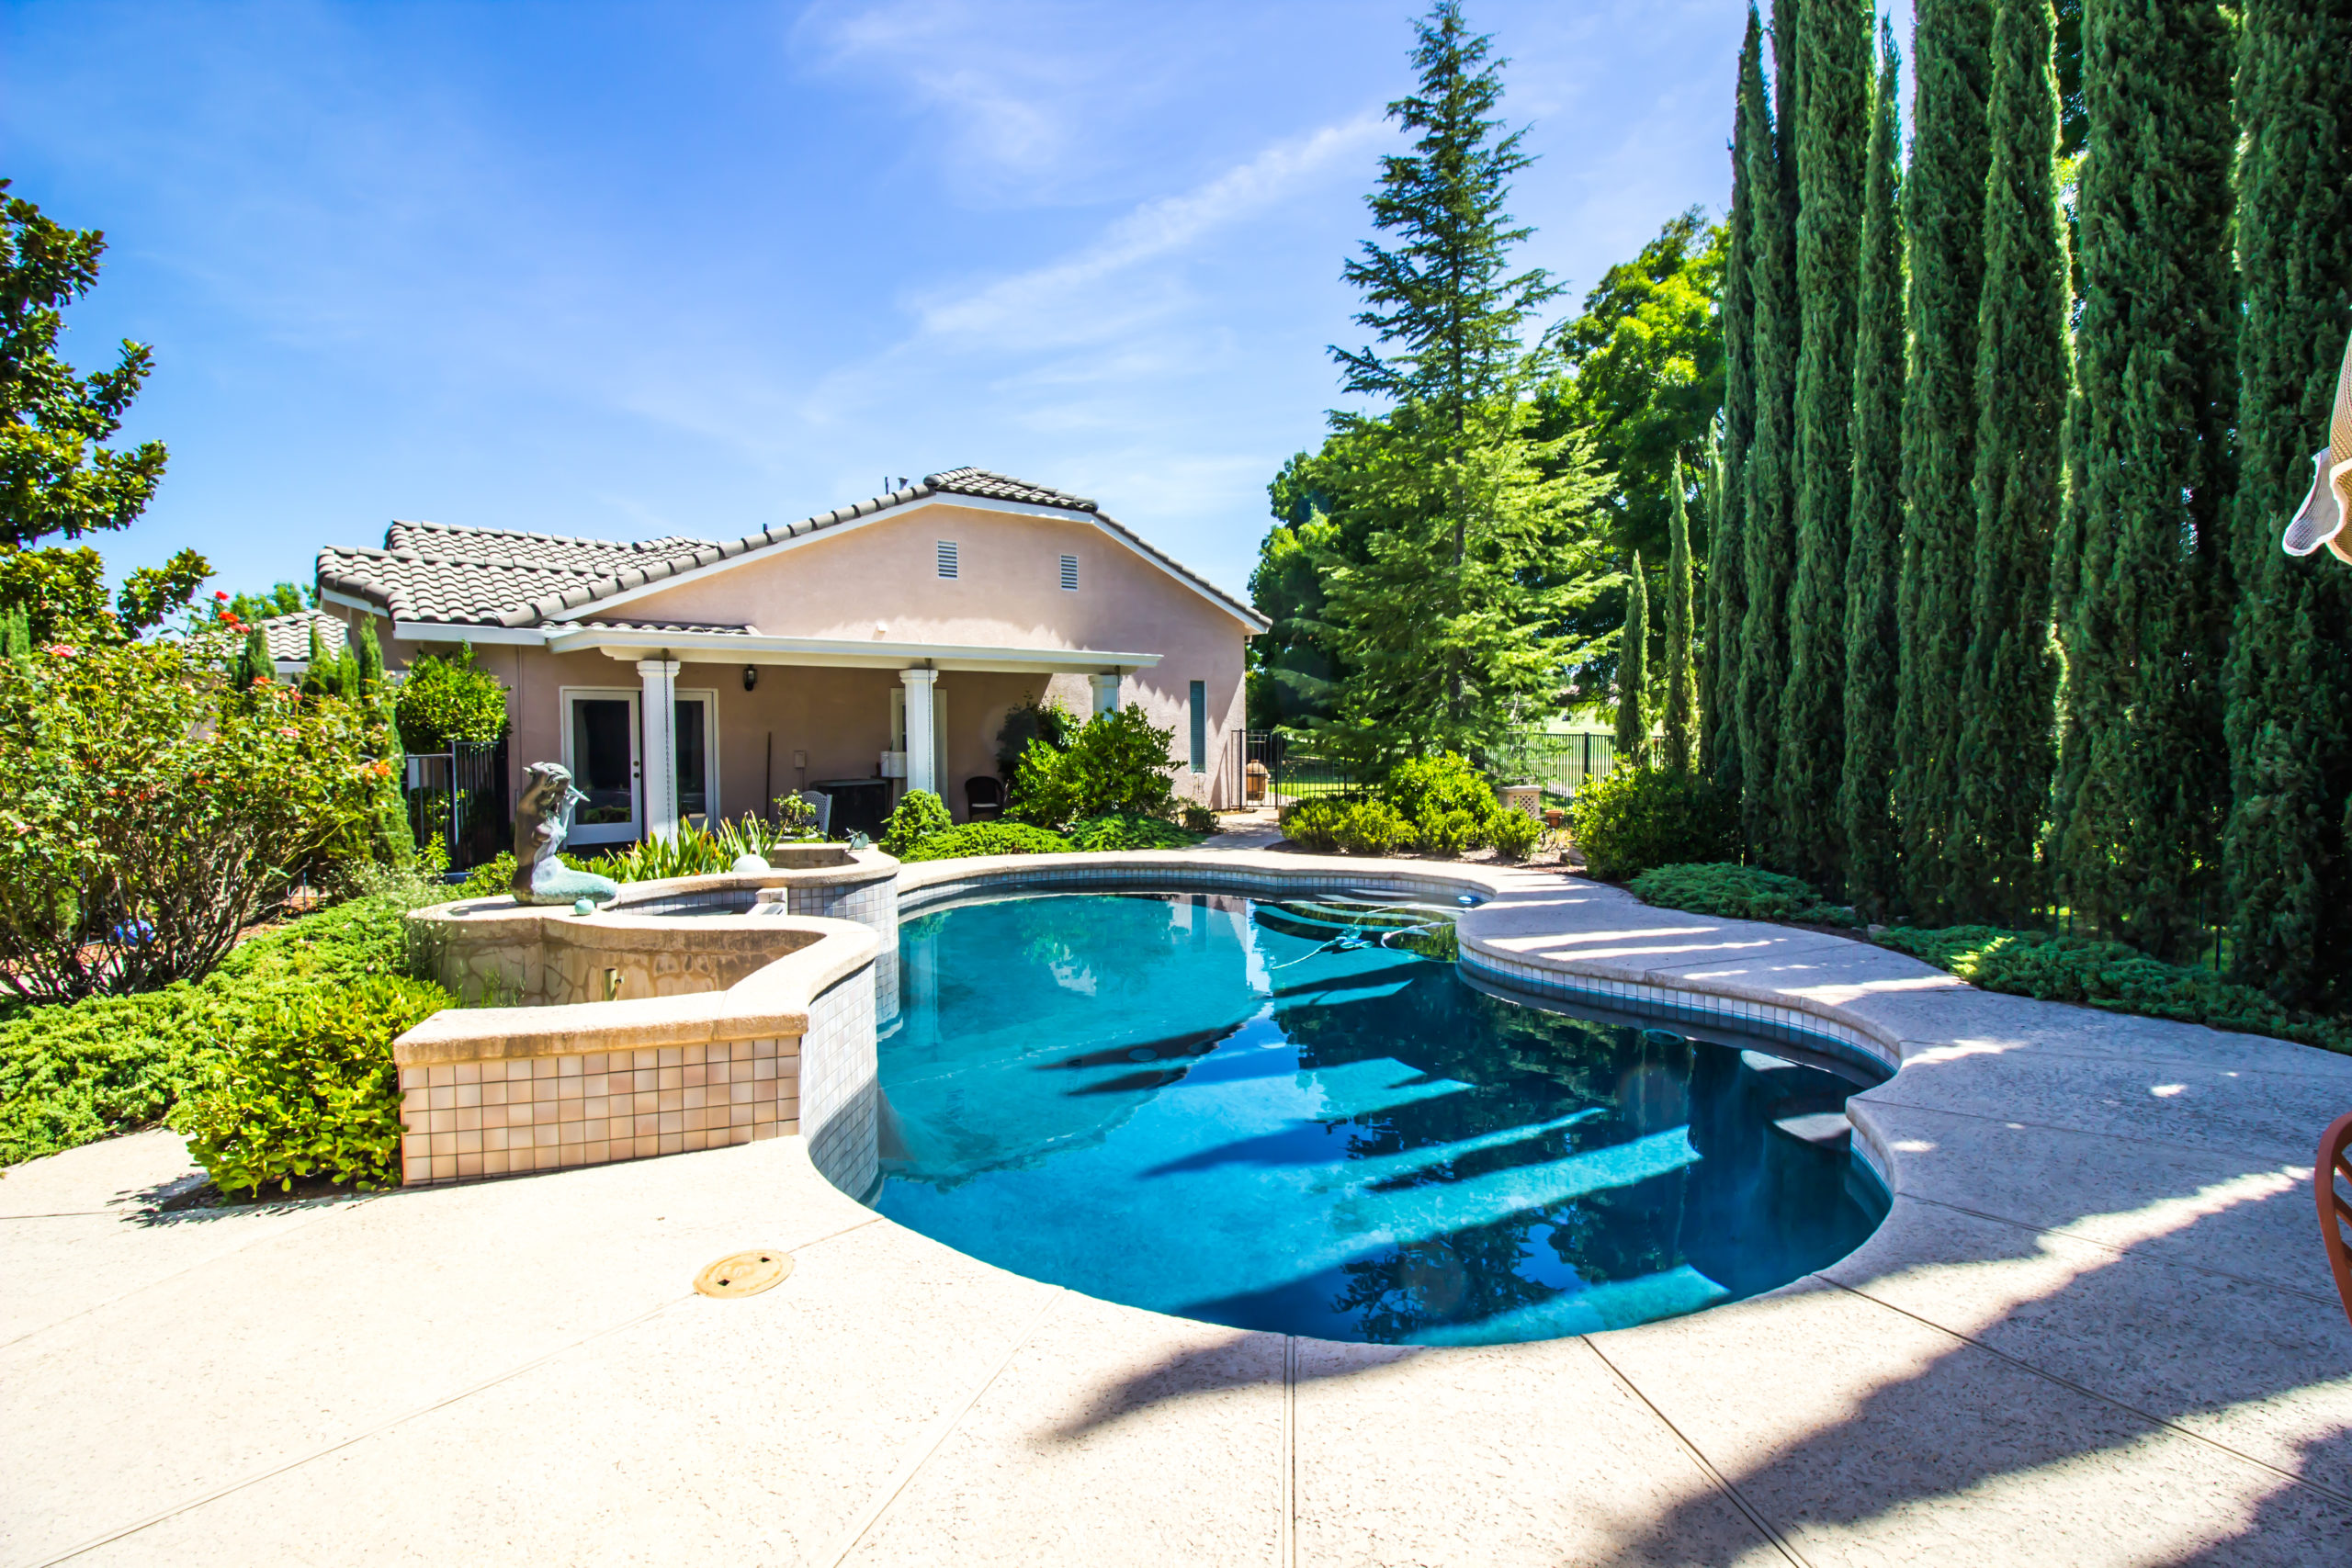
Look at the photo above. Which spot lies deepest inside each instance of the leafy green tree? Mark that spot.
(2142, 576)
(2006, 688)
(445, 699)
(1725, 694)
(1875, 530)
(1643, 373)
(2289, 718)
(1832, 134)
(1446, 616)
(1633, 674)
(1943, 210)
(1682, 669)
(1770, 527)
(58, 477)
(283, 599)
(1295, 673)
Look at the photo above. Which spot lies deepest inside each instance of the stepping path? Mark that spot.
(2096, 1328)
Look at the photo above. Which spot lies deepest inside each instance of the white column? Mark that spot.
(659, 707)
(1106, 692)
(920, 774)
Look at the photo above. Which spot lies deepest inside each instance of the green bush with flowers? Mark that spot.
(151, 809)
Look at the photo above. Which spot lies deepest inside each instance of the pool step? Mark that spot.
(1822, 1129)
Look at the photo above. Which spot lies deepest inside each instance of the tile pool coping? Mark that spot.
(2094, 1329)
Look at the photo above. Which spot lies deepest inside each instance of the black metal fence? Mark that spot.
(459, 798)
(1275, 767)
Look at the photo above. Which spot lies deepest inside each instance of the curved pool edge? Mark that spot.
(1539, 933)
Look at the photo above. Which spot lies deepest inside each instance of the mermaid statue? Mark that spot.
(541, 819)
(2320, 520)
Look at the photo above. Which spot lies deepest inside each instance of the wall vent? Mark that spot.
(946, 558)
(1069, 573)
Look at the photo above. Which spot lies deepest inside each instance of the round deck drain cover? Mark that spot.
(744, 1274)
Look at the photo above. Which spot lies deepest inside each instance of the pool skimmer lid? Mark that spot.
(745, 1273)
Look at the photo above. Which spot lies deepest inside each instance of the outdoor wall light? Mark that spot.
(750, 676)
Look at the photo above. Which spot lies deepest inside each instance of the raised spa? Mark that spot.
(1298, 1116)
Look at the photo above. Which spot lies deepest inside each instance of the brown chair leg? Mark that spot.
(2335, 1214)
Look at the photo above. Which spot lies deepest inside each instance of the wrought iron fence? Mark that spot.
(1562, 764)
(460, 797)
(1276, 768)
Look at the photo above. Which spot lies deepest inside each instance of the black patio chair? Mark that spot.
(983, 798)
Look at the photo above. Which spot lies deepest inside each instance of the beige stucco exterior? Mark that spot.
(1003, 629)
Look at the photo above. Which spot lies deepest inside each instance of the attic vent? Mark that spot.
(946, 558)
(1069, 573)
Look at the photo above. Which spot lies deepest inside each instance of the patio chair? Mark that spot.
(983, 798)
(2335, 1214)
(823, 805)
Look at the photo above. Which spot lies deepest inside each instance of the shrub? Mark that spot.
(1032, 719)
(988, 838)
(442, 700)
(1425, 788)
(1514, 834)
(1199, 818)
(1312, 824)
(2110, 976)
(72, 1073)
(1119, 831)
(1736, 891)
(1450, 832)
(919, 815)
(1117, 763)
(1638, 817)
(1371, 827)
(307, 1088)
(149, 811)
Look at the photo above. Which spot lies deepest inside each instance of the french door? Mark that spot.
(601, 748)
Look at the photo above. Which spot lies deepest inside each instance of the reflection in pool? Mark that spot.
(1277, 1116)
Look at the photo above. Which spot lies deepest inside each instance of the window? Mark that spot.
(1199, 705)
(946, 558)
(1069, 573)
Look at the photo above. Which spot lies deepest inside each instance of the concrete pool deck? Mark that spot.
(2096, 1328)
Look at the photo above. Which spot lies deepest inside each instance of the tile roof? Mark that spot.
(289, 637)
(499, 577)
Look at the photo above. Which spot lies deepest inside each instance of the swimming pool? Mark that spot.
(1297, 1116)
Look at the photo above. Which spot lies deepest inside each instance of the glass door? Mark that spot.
(600, 748)
(697, 727)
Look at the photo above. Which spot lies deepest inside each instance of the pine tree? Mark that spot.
(1832, 139)
(1943, 211)
(1448, 617)
(2289, 720)
(319, 672)
(1874, 529)
(1769, 542)
(1720, 745)
(2145, 578)
(1681, 673)
(1633, 674)
(2007, 687)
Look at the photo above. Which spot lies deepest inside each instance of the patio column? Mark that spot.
(919, 744)
(659, 707)
(1106, 692)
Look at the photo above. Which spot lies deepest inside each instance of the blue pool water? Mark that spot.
(1264, 1114)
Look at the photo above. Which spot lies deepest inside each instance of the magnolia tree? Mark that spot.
(151, 809)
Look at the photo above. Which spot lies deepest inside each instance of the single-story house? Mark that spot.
(872, 650)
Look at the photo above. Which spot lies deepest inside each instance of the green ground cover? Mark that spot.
(2022, 963)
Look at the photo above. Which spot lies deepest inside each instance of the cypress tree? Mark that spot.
(1682, 674)
(1832, 137)
(319, 674)
(1943, 213)
(1874, 527)
(1770, 545)
(254, 662)
(1633, 673)
(2289, 719)
(1719, 746)
(2143, 788)
(390, 838)
(2022, 382)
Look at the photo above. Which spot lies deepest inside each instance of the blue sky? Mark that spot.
(625, 270)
